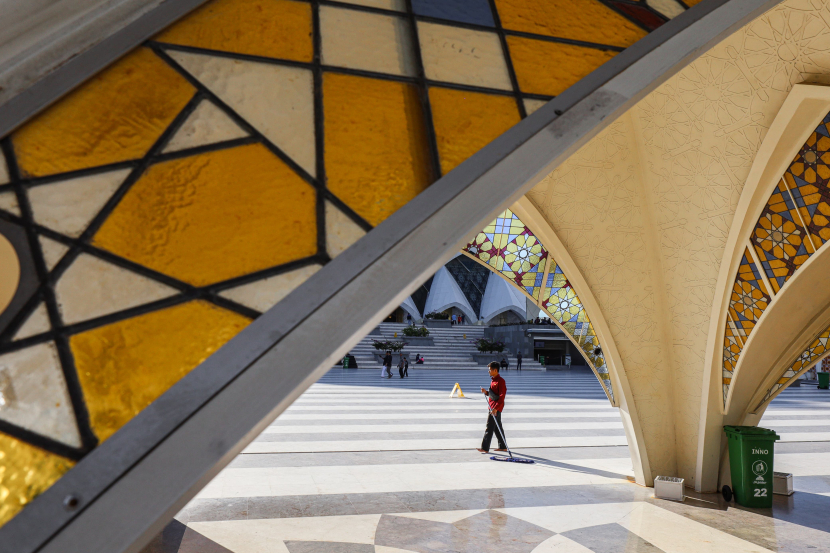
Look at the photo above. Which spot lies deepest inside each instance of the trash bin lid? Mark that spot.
(752, 431)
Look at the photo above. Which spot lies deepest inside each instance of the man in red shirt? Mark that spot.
(495, 399)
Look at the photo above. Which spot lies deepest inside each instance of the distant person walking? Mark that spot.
(401, 365)
(405, 367)
(495, 401)
(387, 365)
(519, 361)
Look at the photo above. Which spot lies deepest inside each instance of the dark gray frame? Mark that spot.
(76, 70)
(132, 484)
(29, 282)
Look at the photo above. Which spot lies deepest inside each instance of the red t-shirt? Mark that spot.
(497, 386)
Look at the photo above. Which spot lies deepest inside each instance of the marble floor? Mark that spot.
(361, 464)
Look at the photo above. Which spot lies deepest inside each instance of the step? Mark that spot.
(453, 349)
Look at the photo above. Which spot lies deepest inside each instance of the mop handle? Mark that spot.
(498, 427)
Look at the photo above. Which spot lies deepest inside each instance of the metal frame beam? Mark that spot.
(74, 54)
(132, 484)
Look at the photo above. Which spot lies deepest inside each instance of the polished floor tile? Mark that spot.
(390, 467)
(610, 538)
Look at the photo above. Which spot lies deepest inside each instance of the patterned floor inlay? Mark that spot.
(328, 547)
(194, 542)
(611, 538)
(486, 532)
(364, 465)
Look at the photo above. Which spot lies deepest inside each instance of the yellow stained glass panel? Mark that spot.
(585, 20)
(214, 216)
(25, 472)
(375, 144)
(270, 28)
(550, 67)
(465, 122)
(125, 366)
(115, 116)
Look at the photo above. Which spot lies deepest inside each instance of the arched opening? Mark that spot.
(506, 316)
(510, 249)
(798, 315)
(775, 306)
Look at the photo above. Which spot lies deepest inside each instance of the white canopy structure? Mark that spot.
(500, 297)
(445, 293)
(409, 306)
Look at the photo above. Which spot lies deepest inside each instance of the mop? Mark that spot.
(509, 459)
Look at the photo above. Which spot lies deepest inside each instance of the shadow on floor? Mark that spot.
(569, 466)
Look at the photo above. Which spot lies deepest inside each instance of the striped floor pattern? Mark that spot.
(360, 411)
(357, 439)
(360, 464)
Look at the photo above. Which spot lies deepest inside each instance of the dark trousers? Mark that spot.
(488, 432)
(518, 364)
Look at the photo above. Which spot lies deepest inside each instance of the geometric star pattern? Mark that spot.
(807, 179)
(780, 239)
(411, 534)
(732, 346)
(794, 223)
(509, 247)
(217, 124)
(749, 297)
(561, 302)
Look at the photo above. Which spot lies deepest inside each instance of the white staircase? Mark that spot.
(453, 349)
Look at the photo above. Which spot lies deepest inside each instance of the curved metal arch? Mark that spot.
(130, 485)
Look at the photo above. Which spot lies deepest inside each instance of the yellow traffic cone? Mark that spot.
(457, 387)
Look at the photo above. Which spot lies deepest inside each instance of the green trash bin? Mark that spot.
(823, 380)
(751, 452)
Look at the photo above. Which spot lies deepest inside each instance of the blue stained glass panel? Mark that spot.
(476, 12)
